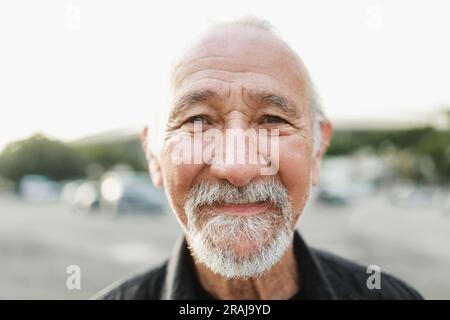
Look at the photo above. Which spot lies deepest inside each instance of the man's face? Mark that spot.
(238, 78)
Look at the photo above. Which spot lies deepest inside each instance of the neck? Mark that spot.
(281, 282)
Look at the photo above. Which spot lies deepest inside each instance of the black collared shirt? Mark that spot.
(324, 276)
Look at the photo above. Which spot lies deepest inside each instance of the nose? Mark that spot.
(239, 175)
(240, 161)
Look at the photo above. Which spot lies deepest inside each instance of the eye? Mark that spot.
(269, 119)
(203, 120)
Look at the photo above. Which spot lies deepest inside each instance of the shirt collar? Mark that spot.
(180, 279)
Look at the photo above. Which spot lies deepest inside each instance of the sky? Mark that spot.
(74, 68)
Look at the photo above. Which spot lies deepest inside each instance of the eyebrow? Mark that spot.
(286, 105)
(189, 100)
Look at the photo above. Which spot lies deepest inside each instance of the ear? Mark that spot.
(154, 167)
(326, 132)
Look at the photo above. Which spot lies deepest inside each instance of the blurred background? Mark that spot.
(80, 79)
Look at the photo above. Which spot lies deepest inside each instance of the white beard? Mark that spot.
(237, 246)
(215, 244)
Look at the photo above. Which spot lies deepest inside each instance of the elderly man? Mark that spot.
(239, 198)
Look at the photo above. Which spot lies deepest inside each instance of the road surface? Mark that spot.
(38, 242)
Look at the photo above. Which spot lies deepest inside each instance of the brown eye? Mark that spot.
(268, 119)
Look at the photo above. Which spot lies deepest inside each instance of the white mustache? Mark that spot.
(224, 192)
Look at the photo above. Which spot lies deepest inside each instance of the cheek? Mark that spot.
(178, 179)
(295, 171)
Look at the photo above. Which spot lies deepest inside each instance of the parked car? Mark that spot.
(38, 189)
(87, 196)
(82, 195)
(69, 190)
(132, 192)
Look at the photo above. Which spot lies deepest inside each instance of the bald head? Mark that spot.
(252, 49)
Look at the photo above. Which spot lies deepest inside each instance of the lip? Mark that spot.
(246, 209)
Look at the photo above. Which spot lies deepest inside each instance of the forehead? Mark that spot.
(246, 56)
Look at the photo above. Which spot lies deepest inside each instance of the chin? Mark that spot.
(241, 247)
(234, 259)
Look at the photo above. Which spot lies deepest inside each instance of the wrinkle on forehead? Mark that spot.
(229, 75)
(240, 50)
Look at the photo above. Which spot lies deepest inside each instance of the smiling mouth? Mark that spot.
(242, 209)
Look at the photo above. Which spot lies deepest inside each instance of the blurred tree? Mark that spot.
(427, 149)
(40, 155)
(108, 155)
(436, 146)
